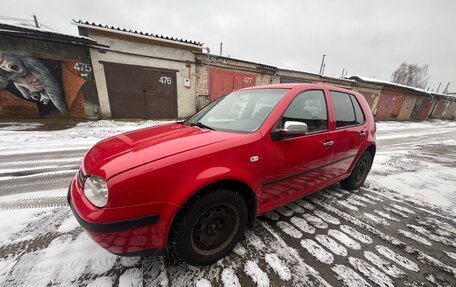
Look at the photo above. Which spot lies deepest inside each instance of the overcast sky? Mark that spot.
(369, 38)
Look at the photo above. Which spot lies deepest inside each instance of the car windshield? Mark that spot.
(241, 111)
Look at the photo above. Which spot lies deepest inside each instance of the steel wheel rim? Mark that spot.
(215, 229)
(362, 170)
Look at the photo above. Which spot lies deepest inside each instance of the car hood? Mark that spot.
(114, 155)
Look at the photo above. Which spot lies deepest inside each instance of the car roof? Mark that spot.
(300, 86)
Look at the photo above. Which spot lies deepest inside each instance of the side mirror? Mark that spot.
(290, 128)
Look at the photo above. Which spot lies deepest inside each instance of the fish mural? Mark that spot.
(29, 77)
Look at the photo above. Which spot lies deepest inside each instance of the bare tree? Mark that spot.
(411, 75)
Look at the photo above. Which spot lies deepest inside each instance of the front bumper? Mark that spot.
(141, 235)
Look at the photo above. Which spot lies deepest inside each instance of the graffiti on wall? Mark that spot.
(31, 78)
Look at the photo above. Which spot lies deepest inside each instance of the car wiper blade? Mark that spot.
(201, 125)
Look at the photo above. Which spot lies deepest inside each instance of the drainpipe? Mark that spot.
(207, 74)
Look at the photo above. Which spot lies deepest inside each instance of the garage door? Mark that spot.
(223, 82)
(141, 92)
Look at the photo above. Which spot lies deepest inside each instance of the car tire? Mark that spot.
(359, 172)
(209, 227)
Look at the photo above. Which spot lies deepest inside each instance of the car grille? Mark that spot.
(81, 176)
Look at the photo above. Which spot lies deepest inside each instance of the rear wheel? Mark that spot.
(209, 227)
(359, 172)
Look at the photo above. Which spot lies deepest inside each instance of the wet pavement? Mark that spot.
(398, 230)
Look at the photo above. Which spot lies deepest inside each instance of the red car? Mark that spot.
(191, 188)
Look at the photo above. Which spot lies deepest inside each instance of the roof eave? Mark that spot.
(88, 26)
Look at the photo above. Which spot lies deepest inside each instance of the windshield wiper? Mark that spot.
(201, 125)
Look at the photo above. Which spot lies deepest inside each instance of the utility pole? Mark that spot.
(207, 74)
(221, 48)
(323, 70)
(446, 88)
(322, 64)
(36, 22)
(438, 88)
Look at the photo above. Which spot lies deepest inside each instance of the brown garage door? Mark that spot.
(141, 92)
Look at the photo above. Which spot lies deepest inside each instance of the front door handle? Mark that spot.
(328, 143)
(362, 134)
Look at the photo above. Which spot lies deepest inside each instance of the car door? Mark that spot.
(294, 166)
(349, 133)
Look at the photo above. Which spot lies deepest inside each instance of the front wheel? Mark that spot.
(209, 227)
(359, 172)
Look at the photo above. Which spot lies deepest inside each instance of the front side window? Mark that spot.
(308, 107)
(241, 111)
(345, 114)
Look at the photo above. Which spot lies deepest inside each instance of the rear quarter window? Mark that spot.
(358, 110)
(343, 108)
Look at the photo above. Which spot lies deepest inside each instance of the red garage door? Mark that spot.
(223, 82)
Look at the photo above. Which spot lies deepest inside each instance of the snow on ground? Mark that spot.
(400, 229)
(416, 162)
(83, 135)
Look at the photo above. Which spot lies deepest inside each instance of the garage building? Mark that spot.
(142, 75)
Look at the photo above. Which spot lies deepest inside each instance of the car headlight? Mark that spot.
(96, 190)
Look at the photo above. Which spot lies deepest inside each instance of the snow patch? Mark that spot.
(296, 208)
(375, 219)
(278, 266)
(63, 261)
(386, 266)
(230, 279)
(317, 251)
(103, 281)
(203, 283)
(272, 216)
(345, 203)
(315, 221)
(284, 211)
(331, 245)
(68, 225)
(344, 239)
(356, 234)
(327, 217)
(376, 276)
(450, 254)
(289, 229)
(386, 215)
(258, 276)
(403, 208)
(302, 224)
(239, 250)
(415, 237)
(349, 277)
(131, 278)
(129, 261)
(399, 259)
(307, 205)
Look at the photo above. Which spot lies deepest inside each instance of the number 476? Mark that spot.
(165, 80)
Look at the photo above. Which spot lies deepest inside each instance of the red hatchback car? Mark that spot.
(191, 188)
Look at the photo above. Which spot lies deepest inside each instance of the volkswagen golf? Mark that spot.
(191, 188)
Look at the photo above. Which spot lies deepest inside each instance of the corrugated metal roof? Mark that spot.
(135, 32)
(15, 25)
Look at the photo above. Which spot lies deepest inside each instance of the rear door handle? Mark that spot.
(328, 143)
(362, 134)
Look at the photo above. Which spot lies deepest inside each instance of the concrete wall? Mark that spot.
(41, 78)
(143, 53)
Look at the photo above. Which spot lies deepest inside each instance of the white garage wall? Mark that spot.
(186, 97)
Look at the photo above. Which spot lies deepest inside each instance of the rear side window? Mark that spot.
(308, 107)
(345, 114)
(358, 111)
